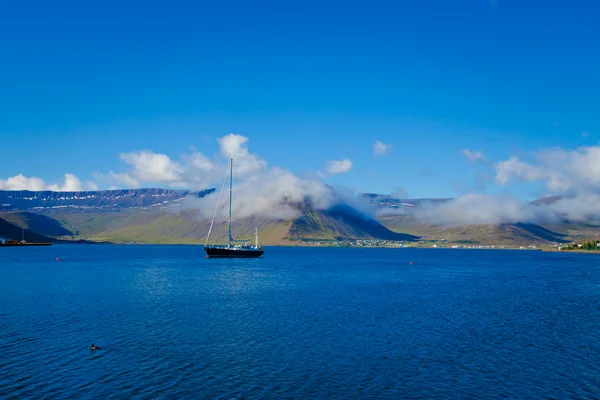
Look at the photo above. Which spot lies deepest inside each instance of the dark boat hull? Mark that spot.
(215, 252)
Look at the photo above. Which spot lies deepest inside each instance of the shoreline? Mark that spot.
(548, 250)
(572, 251)
(311, 245)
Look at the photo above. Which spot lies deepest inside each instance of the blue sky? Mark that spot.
(306, 82)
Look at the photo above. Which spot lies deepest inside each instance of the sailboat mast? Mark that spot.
(230, 185)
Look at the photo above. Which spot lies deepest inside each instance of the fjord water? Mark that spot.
(298, 323)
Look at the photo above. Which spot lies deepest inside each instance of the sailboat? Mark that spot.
(231, 250)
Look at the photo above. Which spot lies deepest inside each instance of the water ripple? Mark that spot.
(299, 323)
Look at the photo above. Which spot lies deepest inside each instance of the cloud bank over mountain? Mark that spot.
(70, 184)
(263, 190)
(475, 208)
(195, 170)
(562, 171)
(572, 175)
(260, 189)
(272, 193)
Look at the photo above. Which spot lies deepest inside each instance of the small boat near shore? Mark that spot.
(15, 243)
(22, 242)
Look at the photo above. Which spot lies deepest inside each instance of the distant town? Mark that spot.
(442, 244)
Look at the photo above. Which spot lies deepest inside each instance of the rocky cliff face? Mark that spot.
(94, 200)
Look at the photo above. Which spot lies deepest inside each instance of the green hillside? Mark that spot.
(165, 226)
(338, 223)
(341, 222)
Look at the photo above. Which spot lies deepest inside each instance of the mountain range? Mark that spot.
(159, 216)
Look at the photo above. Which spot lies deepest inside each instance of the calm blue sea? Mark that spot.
(300, 323)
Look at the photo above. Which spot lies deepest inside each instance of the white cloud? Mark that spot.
(200, 162)
(153, 167)
(581, 165)
(578, 208)
(71, 184)
(258, 190)
(381, 148)
(117, 180)
(514, 168)
(273, 193)
(562, 171)
(90, 185)
(474, 209)
(21, 182)
(244, 163)
(572, 173)
(482, 209)
(339, 167)
(475, 157)
(124, 179)
(193, 171)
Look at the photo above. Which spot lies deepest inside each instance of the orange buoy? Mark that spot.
(411, 263)
(57, 258)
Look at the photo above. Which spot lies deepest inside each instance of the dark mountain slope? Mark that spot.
(538, 232)
(14, 232)
(37, 222)
(341, 222)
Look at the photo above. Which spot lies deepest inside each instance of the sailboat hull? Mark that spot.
(224, 252)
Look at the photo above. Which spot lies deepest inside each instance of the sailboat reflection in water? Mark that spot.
(229, 250)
